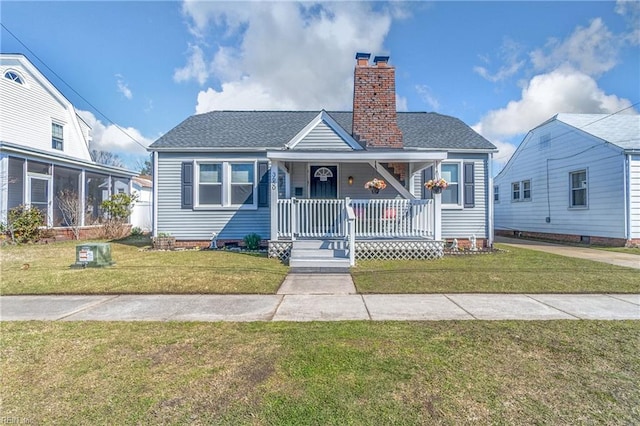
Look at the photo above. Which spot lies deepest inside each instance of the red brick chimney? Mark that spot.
(375, 120)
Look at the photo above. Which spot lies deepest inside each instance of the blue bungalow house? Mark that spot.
(302, 180)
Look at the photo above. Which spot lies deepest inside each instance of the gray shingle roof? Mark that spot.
(622, 130)
(273, 129)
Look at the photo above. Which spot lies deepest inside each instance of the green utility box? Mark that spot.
(93, 255)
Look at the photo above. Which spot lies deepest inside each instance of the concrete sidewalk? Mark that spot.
(321, 307)
(611, 257)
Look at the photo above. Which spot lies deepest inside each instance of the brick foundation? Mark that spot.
(204, 244)
(86, 233)
(569, 238)
(466, 243)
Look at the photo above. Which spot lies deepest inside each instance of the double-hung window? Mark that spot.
(578, 189)
(451, 173)
(496, 193)
(210, 184)
(226, 184)
(57, 138)
(526, 190)
(521, 191)
(515, 191)
(242, 183)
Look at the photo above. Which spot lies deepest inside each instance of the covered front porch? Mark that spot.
(321, 196)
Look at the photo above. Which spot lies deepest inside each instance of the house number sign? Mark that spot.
(274, 179)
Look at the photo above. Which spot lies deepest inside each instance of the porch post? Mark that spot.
(437, 206)
(81, 194)
(273, 198)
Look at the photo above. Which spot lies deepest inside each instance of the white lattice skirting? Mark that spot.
(280, 250)
(392, 250)
(375, 249)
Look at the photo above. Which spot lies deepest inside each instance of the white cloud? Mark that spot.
(427, 96)
(630, 10)
(592, 50)
(505, 151)
(114, 139)
(123, 87)
(562, 90)
(282, 55)
(401, 103)
(509, 53)
(196, 68)
(238, 95)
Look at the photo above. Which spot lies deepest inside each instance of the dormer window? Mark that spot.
(13, 76)
(57, 138)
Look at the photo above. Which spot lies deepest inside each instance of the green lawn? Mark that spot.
(513, 270)
(137, 271)
(402, 373)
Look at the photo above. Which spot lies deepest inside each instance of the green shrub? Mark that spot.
(252, 241)
(136, 232)
(117, 209)
(24, 224)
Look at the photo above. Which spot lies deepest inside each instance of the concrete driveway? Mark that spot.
(611, 257)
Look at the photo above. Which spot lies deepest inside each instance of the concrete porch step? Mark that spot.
(319, 253)
(319, 256)
(320, 244)
(301, 262)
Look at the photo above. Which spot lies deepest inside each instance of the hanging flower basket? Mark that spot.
(375, 185)
(436, 185)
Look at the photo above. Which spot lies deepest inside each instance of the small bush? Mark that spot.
(24, 224)
(117, 209)
(136, 232)
(252, 241)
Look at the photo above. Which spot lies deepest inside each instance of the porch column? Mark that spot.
(273, 198)
(437, 206)
(81, 195)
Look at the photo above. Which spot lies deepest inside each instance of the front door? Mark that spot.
(323, 182)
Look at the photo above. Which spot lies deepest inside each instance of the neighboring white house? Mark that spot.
(44, 148)
(575, 177)
(142, 213)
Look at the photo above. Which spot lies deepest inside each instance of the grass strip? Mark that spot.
(513, 270)
(403, 373)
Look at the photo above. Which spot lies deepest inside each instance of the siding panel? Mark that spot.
(323, 137)
(464, 223)
(187, 224)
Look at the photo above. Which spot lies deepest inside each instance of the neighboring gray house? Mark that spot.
(44, 150)
(297, 178)
(575, 177)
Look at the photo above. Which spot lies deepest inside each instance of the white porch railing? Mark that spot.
(395, 218)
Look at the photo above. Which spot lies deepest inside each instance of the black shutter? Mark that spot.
(426, 175)
(187, 185)
(263, 185)
(469, 186)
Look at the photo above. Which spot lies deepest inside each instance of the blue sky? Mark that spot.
(501, 67)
